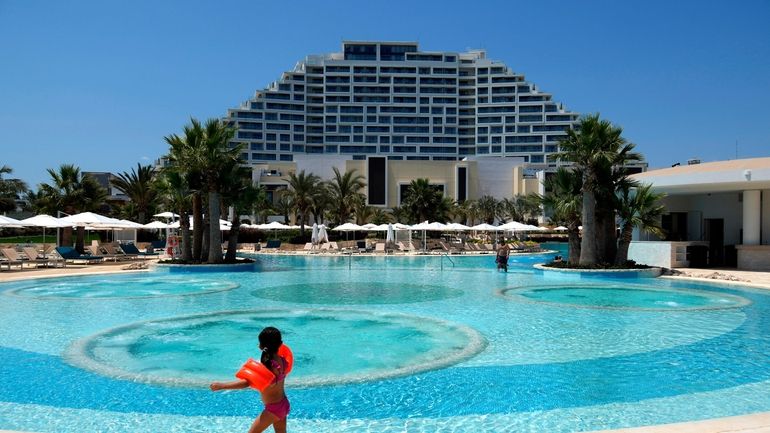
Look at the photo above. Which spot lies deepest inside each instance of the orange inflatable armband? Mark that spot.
(285, 353)
(258, 376)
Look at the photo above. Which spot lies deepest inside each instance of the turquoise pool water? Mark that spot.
(381, 344)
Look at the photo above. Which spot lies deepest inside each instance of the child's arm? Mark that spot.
(236, 384)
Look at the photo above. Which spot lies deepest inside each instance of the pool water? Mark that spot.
(630, 297)
(381, 344)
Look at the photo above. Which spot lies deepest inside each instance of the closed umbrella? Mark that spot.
(314, 234)
(390, 237)
(323, 237)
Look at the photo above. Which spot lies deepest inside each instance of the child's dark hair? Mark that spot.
(269, 342)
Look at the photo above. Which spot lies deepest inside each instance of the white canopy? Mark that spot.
(93, 220)
(486, 227)
(515, 226)
(275, 225)
(425, 225)
(131, 225)
(368, 226)
(561, 229)
(457, 227)
(166, 215)
(10, 222)
(156, 225)
(347, 227)
(46, 221)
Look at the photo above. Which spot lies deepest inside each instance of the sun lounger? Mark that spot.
(71, 255)
(133, 250)
(10, 257)
(333, 247)
(379, 248)
(96, 251)
(47, 259)
(273, 243)
(325, 247)
(117, 252)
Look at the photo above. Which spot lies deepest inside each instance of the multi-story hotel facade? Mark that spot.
(394, 113)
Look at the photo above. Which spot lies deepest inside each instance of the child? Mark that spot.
(276, 404)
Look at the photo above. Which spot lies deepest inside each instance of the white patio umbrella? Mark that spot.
(314, 234)
(166, 215)
(156, 225)
(347, 227)
(515, 226)
(457, 227)
(425, 226)
(275, 225)
(44, 221)
(93, 220)
(561, 229)
(10, 222)
(485, 227)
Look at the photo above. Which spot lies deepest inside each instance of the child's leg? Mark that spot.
(280, 426)
(263, 421)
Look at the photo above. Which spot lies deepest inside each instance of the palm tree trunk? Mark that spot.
(232, 239)
(66, 237)
(184, 226)
(574, 245)
(141, 217)
(625, 240)
(588, 243)
(215, 236)
(610, 237)
(80, 240)
(197, 214)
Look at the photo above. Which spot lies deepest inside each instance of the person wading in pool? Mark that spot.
(276, 404)
(502, 256)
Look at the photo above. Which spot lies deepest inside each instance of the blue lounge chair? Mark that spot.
(71, 255)
(273, 243)
(131, 249)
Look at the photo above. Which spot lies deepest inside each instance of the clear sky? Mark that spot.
(99, 83)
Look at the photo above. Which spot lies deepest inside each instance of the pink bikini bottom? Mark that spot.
(279, 409)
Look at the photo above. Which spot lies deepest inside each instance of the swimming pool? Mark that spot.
(381, 344)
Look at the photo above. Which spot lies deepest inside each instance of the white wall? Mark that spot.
(717, 205)
(495, 176)
(321, 165)
(765, 217)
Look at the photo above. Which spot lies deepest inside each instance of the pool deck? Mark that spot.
(752, 423)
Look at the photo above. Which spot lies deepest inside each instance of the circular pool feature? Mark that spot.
(119, 286)
(627, 297)
(330, 346)
(350, 293)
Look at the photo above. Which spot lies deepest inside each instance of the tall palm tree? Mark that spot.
(321, 202)
(71, 191)
(217, 157)
(139, 186)
(399, 214)
(10, 190)
(565, 199)
(637, 208)
(239, 192)
(345, 190)
(363, 213)
(183, 156)
(284, 205)
(594, 146)
(302, 187)
(488, 208)
(422, 199)
(175, 193)
(262, 205)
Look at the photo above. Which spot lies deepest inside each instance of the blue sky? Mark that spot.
(100, 83)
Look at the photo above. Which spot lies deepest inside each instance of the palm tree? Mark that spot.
(139, 186)
(638, 209)
(594, 146)
(10, 190)
(381, 216)
(488, 208)
(284, 205)
(217, 157)
(399, 214)
(262, 205)
(239, 192)
(422, 199)
(321, 202)
(345, 189)
(173, 190)
(565, 199)
(363, 212)
(71, 191)
(302, 187)
(182, 155)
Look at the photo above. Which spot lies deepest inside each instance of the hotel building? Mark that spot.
(394, 113)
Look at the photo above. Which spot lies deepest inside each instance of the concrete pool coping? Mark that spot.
(750, 423)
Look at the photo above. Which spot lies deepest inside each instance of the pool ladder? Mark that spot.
(446, 255)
